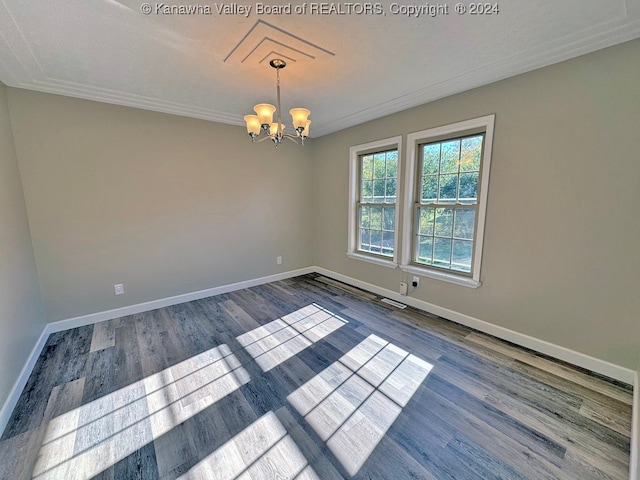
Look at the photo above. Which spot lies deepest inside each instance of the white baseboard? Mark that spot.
(592, 364)
(18, 386)
(168, 301)
(585, 361)
(602, 367)
(634, 461)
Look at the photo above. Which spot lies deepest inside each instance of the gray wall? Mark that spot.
(562, 252)
(170, 205)
(164, 204)
(22, 315)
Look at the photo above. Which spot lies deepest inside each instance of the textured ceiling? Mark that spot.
(347, 68)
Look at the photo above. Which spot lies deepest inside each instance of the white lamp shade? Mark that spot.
(265, 113)
(273, 128)
(253, 124)
(299, 116)
(305, 132)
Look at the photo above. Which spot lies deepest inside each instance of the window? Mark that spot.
(373, 195)
(445, 202)
(376, 205)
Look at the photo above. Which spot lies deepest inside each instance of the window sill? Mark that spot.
(371, 259)
(445, 277)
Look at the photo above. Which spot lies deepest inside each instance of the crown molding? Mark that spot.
(565, 49)
(20, 68)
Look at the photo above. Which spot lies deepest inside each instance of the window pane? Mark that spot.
(388, 218)
(378, 191)
(442, 252)
(469, 187)
(376, 241)
(379, 165)
(390, 194)
(387, 243)
(448, 188)
(470, 154)
(364, 216)
(429, 189)
(425, 250)
(431, 158)
(364, 239)
(376, 218)
(366, 191)
(392, 164)
(427, 216)
(367, 167)
(464, 223)
(444, 222)
(450, 157)
(462, 255)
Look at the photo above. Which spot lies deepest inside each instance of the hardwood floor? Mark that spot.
(308, 378)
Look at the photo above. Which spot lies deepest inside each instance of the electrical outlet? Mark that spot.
(403, 288)
(118, 289)
(279, 260)
(416, 282)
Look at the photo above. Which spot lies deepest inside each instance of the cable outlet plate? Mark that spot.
(118, 289)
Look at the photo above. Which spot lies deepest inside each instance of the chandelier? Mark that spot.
(263, 120)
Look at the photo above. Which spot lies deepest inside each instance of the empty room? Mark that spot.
(307, 240)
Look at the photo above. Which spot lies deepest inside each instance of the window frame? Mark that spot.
(355, 152)
(411, 203)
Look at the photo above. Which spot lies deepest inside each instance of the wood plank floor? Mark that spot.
(308, 378)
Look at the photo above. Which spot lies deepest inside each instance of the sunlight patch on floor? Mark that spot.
(89, 439)
(263, 450)
(279, 340)
(353, 402)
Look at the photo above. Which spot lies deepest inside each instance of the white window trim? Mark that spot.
(413, 140)
(354, 153)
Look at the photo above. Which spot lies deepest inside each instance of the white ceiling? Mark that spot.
(347, 69)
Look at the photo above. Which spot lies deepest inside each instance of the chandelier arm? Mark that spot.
(293, 138)
(262, 139)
